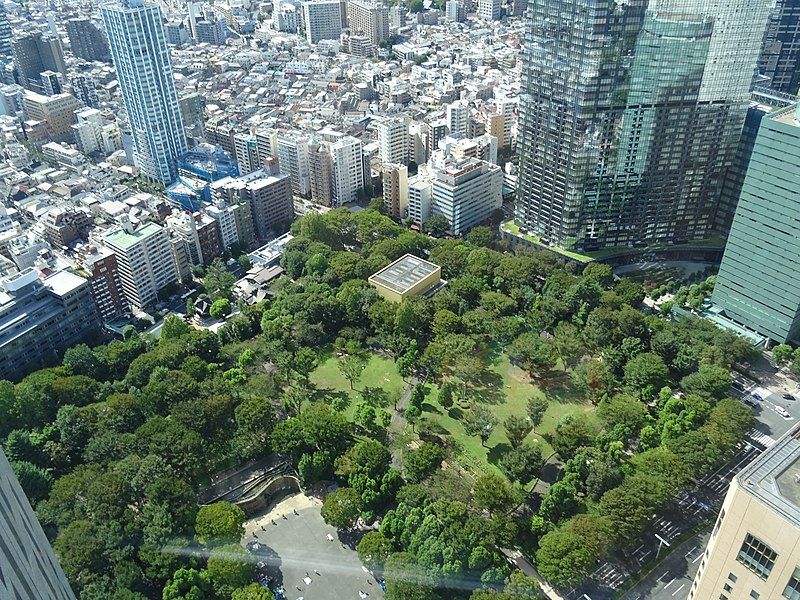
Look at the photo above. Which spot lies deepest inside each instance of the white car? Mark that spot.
(782, 412)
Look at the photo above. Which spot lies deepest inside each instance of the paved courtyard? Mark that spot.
(295, 548)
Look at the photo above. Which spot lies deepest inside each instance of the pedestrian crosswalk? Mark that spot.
(761, 438)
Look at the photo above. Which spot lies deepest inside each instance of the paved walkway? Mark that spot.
(296, 552)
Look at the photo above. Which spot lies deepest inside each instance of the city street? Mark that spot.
(672, 579)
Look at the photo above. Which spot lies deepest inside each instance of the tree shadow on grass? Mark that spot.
(431, 408)
(561, 390)
(497, 451)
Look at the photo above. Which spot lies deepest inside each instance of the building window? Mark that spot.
(755, 595)
(792, 591)
(757, 556)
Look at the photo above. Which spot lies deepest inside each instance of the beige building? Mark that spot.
(369, 19)
(395, 190)
(407, 276)
(50, 118)
(754, 550)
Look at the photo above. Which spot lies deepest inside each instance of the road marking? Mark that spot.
(683, 585)
(663, 575)
(689, 552)
(671, 581)
(699, 556)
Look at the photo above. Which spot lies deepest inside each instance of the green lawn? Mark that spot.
(379, 372)
(507, 395)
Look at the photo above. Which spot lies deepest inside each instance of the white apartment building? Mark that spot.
(393, 140)
(489, 10)
(94, 134)
(224, 215)
(463, 190)
(322, 20)
(293, 160)
(458, 118)
(144, 258)
(141, 57)
(348, 170)
(420, 190)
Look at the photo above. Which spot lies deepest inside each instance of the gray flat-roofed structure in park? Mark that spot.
(408, 276)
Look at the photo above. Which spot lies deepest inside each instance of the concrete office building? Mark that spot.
(293, 160)
(634, 151)
(86, 40)
(754, 552)
(95, 135)
(395, 190)
(465, 192)
(210, 29)
(40, 318)
(34, 53)
(145, 261)
(393, 140)
(322, 20)
(455, 11)
(420, 190)
(348, 170)
(51, 83)
(6, 35)
(141, 57)
(758, 284)
(269, 196)
(436, 133)
(370, 19)
(780, 56)
(30, 568)
(489, 10)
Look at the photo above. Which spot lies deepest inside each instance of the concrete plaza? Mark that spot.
(294, 545)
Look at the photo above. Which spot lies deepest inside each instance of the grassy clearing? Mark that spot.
(506, 393)
(380, 372)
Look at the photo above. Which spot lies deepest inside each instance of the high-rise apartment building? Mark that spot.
(35, 53)
(393, 140)
(101, 264)
(269, 196)
(753, 551)
(395, 190)
(28, 565)
(86, 40)
(348, 170)
(293, 159)
(757, 285)
(84, 89)
(489, 10)
(780, 57)
(320, 166)
(370, 19)
(322, 20)
(6, 35)
(458, 118)
(145, 261)
(93, 134)
(141, 57)
(628, 122)
(40, 318)
(455, 11)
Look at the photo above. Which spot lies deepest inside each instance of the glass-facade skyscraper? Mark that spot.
(141, 58)
(630, 114)
(758, 284)
(780, 58)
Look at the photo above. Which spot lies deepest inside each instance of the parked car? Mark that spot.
(782, 412)
(789, 397)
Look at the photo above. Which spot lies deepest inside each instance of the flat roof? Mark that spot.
(404, 273)
(774, 477)
(121, 239)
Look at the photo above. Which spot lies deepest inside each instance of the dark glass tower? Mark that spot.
(630, 115)
(780, 58)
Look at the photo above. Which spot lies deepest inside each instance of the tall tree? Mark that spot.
(479, 421)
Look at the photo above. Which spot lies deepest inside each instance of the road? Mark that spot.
(671, 580)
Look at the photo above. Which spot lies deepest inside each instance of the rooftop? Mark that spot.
(774, 477)
(122, 239)
(404, 273)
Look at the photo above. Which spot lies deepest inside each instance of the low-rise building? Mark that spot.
(408, 276)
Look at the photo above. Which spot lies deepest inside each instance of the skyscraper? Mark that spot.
(629, 121)
(28, 566)
(780, 58)
(141, 57)
(757, 285)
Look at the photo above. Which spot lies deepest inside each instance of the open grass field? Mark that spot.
(380, 372)
(506, 394)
